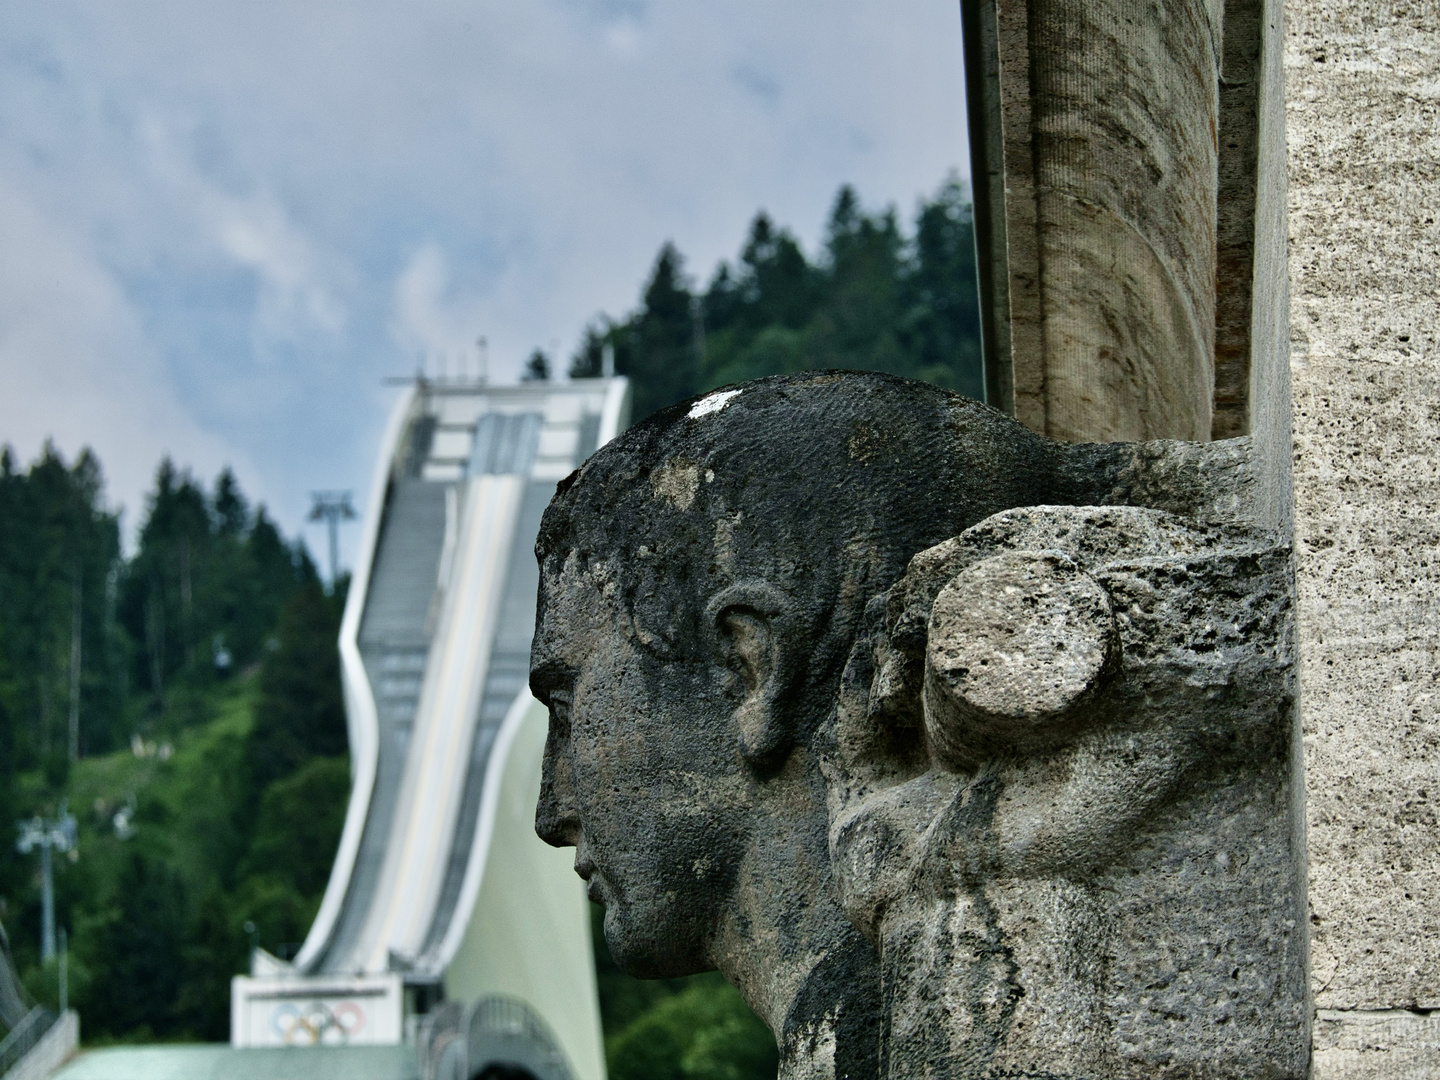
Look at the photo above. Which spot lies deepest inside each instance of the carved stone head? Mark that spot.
(703, 579)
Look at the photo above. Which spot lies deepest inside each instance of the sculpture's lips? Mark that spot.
(586, 869)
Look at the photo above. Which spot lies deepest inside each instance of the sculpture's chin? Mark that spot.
(644, 947)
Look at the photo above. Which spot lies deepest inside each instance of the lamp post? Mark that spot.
(48, 834)
(254, 936)
(332, 507)
(64, 972)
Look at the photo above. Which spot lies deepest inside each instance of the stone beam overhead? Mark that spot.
(1096, 128)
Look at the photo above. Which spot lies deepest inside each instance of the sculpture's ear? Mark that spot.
(756, 626)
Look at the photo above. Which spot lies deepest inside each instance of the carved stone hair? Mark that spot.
(821, 485)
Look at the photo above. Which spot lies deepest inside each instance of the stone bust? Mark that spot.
(721, 587)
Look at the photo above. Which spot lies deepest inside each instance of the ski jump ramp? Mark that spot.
(440, 889)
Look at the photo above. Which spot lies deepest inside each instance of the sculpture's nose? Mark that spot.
(557, 821)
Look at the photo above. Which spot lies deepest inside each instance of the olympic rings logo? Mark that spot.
(317, 1023)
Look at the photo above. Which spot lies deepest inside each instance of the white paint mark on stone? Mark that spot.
(712, 404)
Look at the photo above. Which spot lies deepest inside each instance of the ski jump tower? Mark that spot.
(441, 892)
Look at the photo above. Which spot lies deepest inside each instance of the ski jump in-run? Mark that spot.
(443, 908)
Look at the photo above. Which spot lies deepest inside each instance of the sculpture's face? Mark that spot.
(641, 777)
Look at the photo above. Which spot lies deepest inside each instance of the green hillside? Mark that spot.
(184, 704)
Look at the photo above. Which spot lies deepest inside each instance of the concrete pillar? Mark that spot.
(1363, 112)
(1096, 128)
(1357, 84)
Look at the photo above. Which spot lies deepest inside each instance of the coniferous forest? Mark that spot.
(874, 298)
(184, 704)
(183, 700)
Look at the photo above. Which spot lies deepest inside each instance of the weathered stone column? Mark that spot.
(1096, 180)
(1363, 103)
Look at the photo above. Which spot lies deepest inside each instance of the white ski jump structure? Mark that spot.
(440, 891)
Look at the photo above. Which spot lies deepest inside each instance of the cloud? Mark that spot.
(258, 211)
(293, 296)
(78, 367)
(300, 285)
(757, 80)
(430, 323)
(625, 38)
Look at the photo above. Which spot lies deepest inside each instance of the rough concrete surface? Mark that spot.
(1392, 1044)
(1015, 641)
(1363, 118)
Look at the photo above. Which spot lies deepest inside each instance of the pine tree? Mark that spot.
(662, 356)
(137, 952)
(300, 713)
(58, 549)
(857, 324)
(157, 599)
(202, 594)
(537, 368)
(875, 300)
(940, 294)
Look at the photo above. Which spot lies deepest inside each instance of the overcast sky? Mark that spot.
(222, 224)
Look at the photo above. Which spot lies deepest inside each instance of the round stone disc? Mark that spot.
(1020, 636)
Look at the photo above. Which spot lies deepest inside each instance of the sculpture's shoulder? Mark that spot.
(1049, 720)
